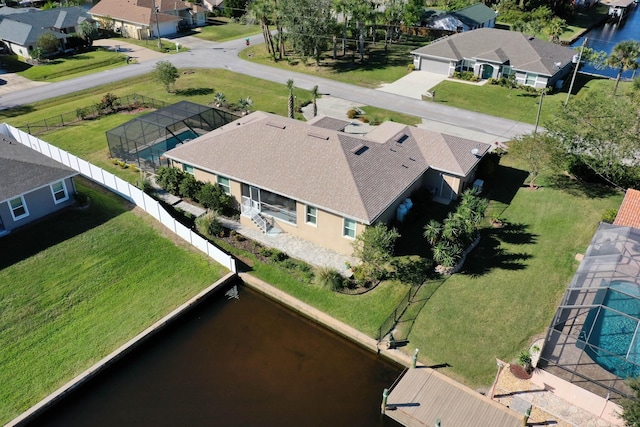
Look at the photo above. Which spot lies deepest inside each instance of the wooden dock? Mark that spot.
(423, 396)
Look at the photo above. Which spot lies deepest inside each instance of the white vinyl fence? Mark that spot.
(124, 189)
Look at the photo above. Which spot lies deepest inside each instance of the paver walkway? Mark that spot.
(547, 407)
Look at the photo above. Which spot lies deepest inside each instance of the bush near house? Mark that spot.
(179, 183)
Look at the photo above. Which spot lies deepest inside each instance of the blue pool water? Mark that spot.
(154, 152)
(615, 334)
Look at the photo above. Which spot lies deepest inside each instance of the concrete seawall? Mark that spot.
(116, 355)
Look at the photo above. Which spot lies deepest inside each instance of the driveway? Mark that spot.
(414, 84)
(140, 53)
(10, 82)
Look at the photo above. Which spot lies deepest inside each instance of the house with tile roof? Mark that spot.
(144, 19)
(629, 212)
(31, 186)
(466, 19)
(314, 181)
(493, 53)
(20, 30)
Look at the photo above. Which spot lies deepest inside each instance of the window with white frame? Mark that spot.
(224, 184)
(530, 79)
(59, 191)
(312, 215)
(18, 208)
(349, 228)
(188, 169)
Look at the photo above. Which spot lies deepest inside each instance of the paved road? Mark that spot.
(205, 54)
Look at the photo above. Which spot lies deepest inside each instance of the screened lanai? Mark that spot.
(145, 139)
(594, 338)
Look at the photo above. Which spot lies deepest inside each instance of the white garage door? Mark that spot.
(434, 66)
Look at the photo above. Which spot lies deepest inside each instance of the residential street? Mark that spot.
(224, 55)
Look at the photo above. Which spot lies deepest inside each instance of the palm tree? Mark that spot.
(314, 97)
(432, 231)
(555, 28)
(219, 98)
(624, 57)
(87, 32)
(290, 105)
(261, 10)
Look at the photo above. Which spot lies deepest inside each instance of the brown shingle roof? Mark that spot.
(135, 11)
(342, 173)
(516, 49)
(629, 212)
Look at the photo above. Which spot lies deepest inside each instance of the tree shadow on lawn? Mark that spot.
(505, 183)
(576, 187)
(16, 111)
(51, 230)
(194, 91)
(490, 254)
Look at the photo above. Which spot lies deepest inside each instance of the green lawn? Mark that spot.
(165, 45)
(67, 67)
(515, 104)
(222, 29)
(379, 67)
(76, 286)
(513, 281)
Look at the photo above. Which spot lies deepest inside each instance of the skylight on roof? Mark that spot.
(399, 139)
(359, 149)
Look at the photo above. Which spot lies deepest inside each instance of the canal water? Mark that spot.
(244, 362)
(606, 36)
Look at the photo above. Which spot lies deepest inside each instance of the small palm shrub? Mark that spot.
(169, 178)
(329, 278)
(189, 187)
(209, 225)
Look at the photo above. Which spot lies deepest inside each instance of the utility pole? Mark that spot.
(535, 131)
(155, 10)
(575, 71)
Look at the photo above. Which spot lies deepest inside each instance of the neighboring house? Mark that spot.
(492, 53)
(31, 185)
(316, 182)
(20, 30)
(466, 19)
(139, 19)
(629, 212)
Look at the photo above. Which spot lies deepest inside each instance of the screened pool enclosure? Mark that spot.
(145, 139)
(594, 338)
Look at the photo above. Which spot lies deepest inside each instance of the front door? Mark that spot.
(487, 71)
(254, 195)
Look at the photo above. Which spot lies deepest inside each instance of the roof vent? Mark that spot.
(475, 151)
(276, 125)
(318, 135)
(399, 139)
(359, 149)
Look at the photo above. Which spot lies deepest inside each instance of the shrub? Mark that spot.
(352, 113)
(609, 215)
(411, 67)
(108, 103)
(465, 75)
(329, 278)
(82, 113)
(189, 187)
(209, 225)
(169, 178)
(212, 196)
(144, 183)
